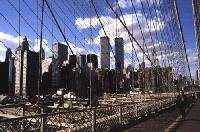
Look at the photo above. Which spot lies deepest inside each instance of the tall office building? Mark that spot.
(30, 73)
(26, 70)
(4, 78)
(196, 14)
(24, 45)
(11, 82)
(10, 61)
(73, 61)
(18, 63)
(81, 59)
(60, 54)
(92, 58)
(46, 76)
(119, 54)
(105, 52)
(43, 54)
(154, 59)
(8, 54)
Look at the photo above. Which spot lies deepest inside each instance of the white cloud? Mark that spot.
(2, 58)
(10, 40)
(131, 22)
(192, 56)
(36, 46)
(82, 23)
(111, 26)
(124, 3)
(75, 49)
(137, 3)
(2, 48)
(13, 42)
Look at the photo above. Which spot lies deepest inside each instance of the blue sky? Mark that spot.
(74, 18)
(185, 8)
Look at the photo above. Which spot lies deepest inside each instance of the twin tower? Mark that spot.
(105, 53)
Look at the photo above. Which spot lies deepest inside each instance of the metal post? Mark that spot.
(120, 114)
(43, 121)
(136, 109)
(22, 113)
(93, 120)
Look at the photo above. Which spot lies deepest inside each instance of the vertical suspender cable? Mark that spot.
(40, 52)
(20, 52)
(90, 81)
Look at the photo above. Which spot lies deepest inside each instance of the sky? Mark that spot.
(81, 26)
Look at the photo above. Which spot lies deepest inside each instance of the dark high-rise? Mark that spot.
(92, 58)
(4, 77)
(8, 54)
(30, 73)
(72, 61)
(105, 52)
(60, 54)
(11, 80)
(81, 60)
(119, 54)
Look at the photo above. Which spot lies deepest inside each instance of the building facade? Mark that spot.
(119, 54)
(92, 58)
(60, 54)
(105, 52)
(18, 63)
(196, 14)
(30, 74)
(4, 71)
(26, 65)
(81, 60)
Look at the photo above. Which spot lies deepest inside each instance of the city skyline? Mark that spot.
(80, 23)
(99, 65)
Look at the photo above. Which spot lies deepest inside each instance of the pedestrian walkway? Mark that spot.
(192, 120)
(156, 124)
(171, 121)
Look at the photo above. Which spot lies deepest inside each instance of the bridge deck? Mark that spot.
(8, 116)
(155, 124)
(192, 121)
(171, 121)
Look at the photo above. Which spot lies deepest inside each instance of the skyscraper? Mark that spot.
(119, 54)
(26, 70)
(92, 58)
(72, 61)
(30, 73)
(11, 76)
(24, 45)
(81, 59)
(46, 76)
(196, 14)
(105, 52)
(18, 63)
(60, 54)
(4, 77)
(10, 61)
(8, 54)
(18, 71)
(154, 59)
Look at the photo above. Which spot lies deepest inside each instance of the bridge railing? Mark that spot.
(95, 119)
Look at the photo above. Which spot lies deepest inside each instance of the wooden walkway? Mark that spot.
(171, 122)
(192, 120)
(156, 124)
